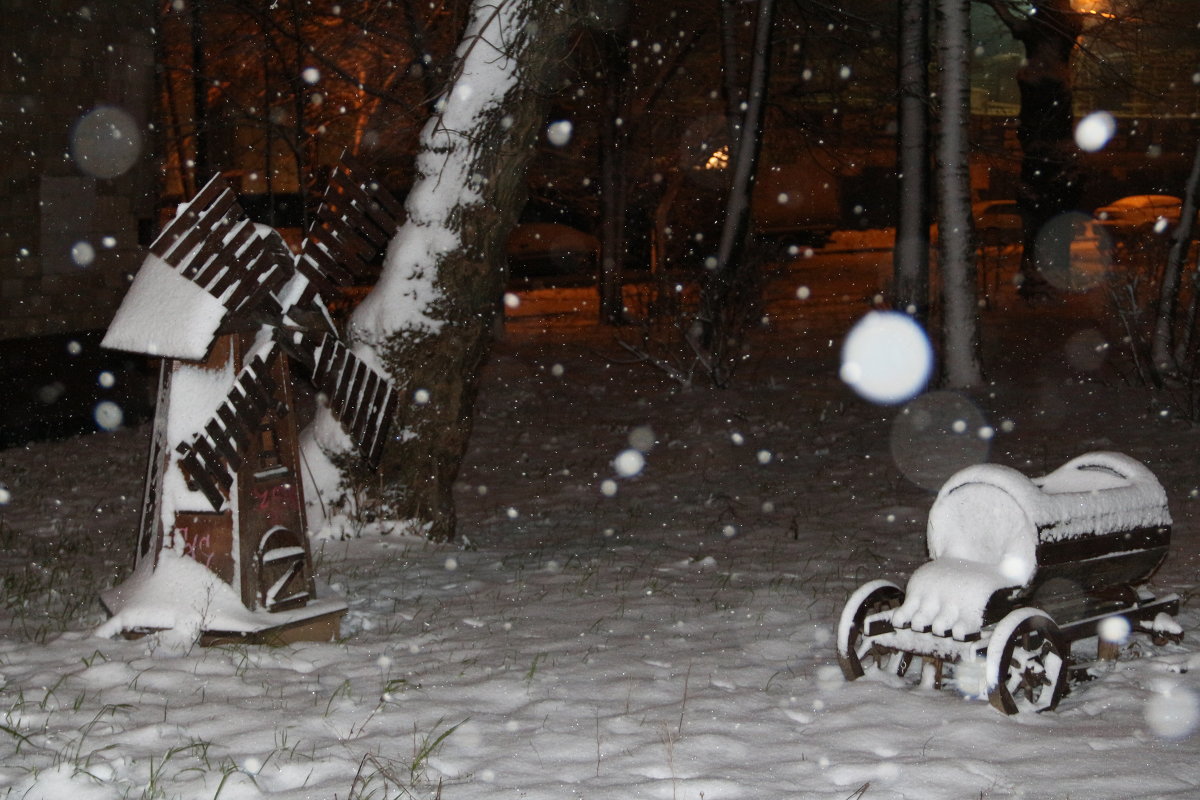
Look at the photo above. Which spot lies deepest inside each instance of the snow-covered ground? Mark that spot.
(667, 635)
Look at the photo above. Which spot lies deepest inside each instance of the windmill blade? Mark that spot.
(359, 398)
(356, 220)
(215, 245)
(212, 456)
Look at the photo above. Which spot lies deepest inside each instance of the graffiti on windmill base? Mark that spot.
(207, 539)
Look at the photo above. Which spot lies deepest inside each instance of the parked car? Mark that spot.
(1140, 213)
(997, 223)
(552, 253)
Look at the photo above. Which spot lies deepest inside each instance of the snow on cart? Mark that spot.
(1020, 569)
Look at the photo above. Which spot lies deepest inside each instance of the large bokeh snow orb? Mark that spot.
(106, 143)
(887, 357)
(1074, 253)
(1173, 712)
(1095, 131)
(936, 435)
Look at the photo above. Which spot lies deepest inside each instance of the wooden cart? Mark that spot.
(1020, 569)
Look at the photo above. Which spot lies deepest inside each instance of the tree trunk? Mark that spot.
(202, 169)
(910, 288)
(1050, 177)
(1162, 343)
(725, 302)
(956, 233)
(429, 319)
(614, 186)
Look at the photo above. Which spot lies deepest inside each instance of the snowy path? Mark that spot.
(673, 640)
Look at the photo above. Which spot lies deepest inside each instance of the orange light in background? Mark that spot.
(719, 159)
(1100, 8)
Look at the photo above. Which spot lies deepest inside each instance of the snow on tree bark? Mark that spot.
(428, 322)
(956, 234)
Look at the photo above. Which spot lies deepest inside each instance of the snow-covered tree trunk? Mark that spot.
(956, 233)
(428, 322)
(910, 288)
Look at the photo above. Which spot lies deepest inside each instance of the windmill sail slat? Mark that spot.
(364, 403)
(332, 374)
(198, 476)
(336, 239)
(366, 429)
(322, 356)
(373, 446)
(257, 383)
(311, 265)
(258, 294)
(220, 282)
(328, 254)
(223, 441)
(273, 268)
(224, 211)
(387, 202)
(213, 464)
(218, 252)
(350, 407)
(351, 369)
(237, 428)
(244, 405)
(182, 223)
(348, 226)
(201, 247)
(375, 224)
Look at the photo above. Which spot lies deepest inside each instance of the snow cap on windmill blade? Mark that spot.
(886, 357)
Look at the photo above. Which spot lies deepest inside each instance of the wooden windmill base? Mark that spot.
(324, 628)
(320, 621)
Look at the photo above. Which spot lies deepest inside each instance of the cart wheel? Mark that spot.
(853, 650)
(1026, 663)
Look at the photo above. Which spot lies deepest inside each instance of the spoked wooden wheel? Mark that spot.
(1026, 663)
(857, 652)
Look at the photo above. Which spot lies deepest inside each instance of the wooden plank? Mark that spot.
(208, 540)
(237, 265)
(204, 227)
(251, 383)
(224, 443)
(366, 425)
(325, 259)
(364, 212)
(198, 476)
(245, 408)
(375, 447)
(334, 368)
(1090, 546)
(214, 465)
(363, 407)
(387, 201)
(235, 427)
(227, 256)
(347, 234)
(338, 237)
(311, 265)
(180, 224)
(350, 375)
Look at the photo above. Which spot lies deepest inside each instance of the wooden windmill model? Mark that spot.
(222, 549)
